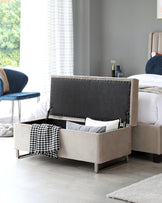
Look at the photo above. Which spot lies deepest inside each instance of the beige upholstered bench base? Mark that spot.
(84, 146)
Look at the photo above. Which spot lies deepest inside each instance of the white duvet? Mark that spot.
(149, 104)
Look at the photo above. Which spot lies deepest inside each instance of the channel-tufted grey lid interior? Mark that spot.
(81, 97)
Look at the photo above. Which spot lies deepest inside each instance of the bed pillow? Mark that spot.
(74, 126)
(154, 65)
(110, 125)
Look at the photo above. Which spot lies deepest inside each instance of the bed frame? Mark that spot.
(148, 138)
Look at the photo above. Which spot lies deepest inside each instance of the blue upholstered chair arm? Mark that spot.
(1, 86)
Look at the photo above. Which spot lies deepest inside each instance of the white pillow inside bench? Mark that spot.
(110, 125)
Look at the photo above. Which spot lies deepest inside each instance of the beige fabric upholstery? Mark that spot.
(148, 138)
(5, 80)
(134, 103)
(83, 146)
(114, 144)
(155, 43)
(22, 136)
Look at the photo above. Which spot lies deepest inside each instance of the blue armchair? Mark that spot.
(12, 83)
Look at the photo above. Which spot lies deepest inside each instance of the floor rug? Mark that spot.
(145, 191)
(6, 130)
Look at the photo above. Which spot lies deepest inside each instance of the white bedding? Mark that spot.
(149, 104)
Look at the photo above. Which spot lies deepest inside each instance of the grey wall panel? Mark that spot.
(87, 37)
(95, 37)
(125, 29)
(113, 29)
(81, 17)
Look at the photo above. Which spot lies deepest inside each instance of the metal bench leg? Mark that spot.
(21, 156)
(96, 167)
(17, 153)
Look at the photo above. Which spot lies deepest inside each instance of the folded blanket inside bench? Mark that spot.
(44, 139)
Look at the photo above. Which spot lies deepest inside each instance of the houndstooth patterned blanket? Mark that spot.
(44, 139)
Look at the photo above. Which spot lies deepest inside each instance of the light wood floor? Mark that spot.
(39, 179)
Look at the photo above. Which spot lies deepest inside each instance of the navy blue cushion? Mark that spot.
(20, 96)
(17, 80)
(154, 65)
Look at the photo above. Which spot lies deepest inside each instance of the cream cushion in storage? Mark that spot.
(110, 125)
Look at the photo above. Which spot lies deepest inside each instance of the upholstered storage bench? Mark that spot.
(74, 98)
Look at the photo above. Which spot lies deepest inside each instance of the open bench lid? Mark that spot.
(100, 98)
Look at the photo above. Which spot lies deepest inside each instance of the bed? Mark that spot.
(147, 135)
